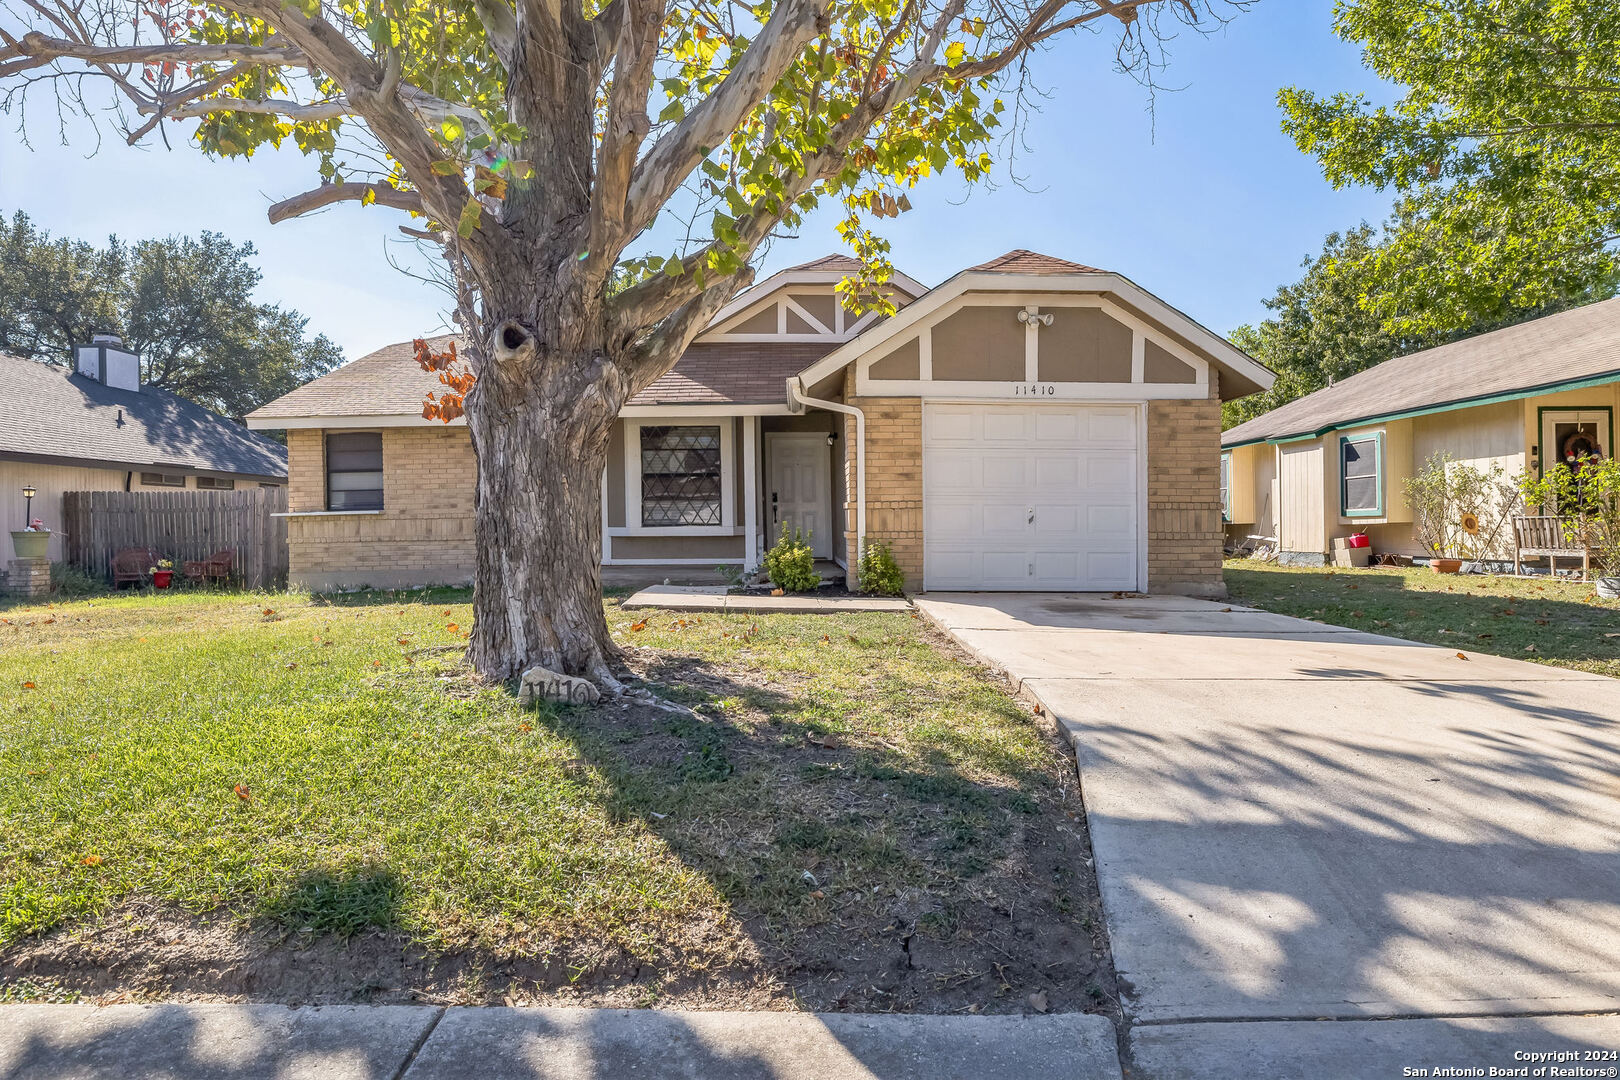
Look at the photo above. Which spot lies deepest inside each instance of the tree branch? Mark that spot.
(327, 194)
(665, 167)
(500, 27)
(40, 50)
(626, 127)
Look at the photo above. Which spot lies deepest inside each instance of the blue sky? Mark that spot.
(1206, 204)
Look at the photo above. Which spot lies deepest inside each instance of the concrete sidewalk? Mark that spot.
(1294, 821)
(408, 1042)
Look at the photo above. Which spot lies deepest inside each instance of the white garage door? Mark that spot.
(1030, 497)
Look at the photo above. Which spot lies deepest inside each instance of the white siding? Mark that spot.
(51, 481)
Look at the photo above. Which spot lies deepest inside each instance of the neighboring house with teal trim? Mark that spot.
(1333, 463)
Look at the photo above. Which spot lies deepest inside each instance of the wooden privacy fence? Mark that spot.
(180, 525)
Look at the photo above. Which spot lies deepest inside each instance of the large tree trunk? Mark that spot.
(540, 424)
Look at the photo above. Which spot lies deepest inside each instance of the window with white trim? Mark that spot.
(354, 470)
(1226, 486)
(681, 478)
(1361, 476)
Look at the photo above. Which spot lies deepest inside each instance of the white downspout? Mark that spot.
(796, 392)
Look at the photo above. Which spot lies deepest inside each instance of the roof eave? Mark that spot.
(1429, 410)
(991, 280)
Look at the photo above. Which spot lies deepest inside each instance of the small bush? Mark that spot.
(878, 573)
(791, 566)
(72, 581)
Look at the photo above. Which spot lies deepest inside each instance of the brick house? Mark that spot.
(1029, 423)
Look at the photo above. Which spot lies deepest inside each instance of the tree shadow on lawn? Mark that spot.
(865, 876)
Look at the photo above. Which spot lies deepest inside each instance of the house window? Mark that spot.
(215, 483)
(157, 479)
(1226, 487)
(354, 470)
(680, 475)
(1361, 476)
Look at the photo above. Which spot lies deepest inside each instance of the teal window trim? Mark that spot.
(1377, 439)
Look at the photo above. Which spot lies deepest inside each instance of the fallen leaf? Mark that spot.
(29, 686)
(1461, 656)
(1543, 622)
(778, 592)
(242, 792)
(453, 628)
(638, 627)
(1037, 1001)
(404, 641)
(446, 611)
(292, 665)
(376, 663)
(817, 894)
(1531, 648)
(91, 860)
(525, 728)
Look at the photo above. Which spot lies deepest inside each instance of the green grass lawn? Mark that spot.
(1543, 620)
(298, 769)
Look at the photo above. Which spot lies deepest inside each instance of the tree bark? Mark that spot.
(540, 424)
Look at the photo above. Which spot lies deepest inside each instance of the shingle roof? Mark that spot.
(1020, 261)
(389, 382)
(740, 373)
(841, 263)
(57, 414)
(1583, 343)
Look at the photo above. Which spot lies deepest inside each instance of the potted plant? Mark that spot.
(1587, 499)
(33, 542)
(162, 573)
(1459, 511)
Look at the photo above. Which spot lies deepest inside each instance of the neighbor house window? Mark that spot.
(680, 475)
(354, 470)
(215, 483)
(1361, 476)
(158, 479)
(1226, 486)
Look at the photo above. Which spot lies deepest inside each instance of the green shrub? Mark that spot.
(791, 566)
(72, 581)
(878, 573)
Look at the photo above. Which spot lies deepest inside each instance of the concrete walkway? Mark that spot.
(719, 599)
(1294, 821)
(405, 1042)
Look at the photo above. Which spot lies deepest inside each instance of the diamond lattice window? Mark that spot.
(680, 475)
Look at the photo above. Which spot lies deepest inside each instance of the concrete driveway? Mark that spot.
(1295, 821)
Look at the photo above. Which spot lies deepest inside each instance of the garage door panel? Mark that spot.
(987, 467)
(1004, 427)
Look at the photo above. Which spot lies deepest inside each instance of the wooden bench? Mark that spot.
(1543, 535)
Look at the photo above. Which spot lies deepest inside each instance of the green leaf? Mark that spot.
(673, 111)
(445, 167)
(471, 214)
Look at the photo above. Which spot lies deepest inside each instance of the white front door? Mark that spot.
(1040, 497)
(799, 492)
(1579, 432)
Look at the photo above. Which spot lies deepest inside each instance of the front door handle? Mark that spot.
(1032, 515)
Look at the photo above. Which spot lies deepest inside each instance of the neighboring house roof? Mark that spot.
(1019, 261)
(388, 382)
(1580, 346)
(842, 264)
(58, 415)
